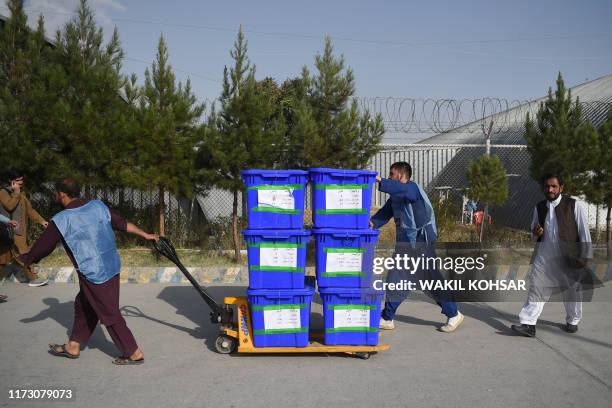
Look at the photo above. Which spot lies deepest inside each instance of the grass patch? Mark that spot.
(141, 256)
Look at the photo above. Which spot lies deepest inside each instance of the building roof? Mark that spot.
(508, 126)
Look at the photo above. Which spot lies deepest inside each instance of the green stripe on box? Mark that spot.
(351, 307)
(341, 274)
(281, 331)
(344, 250)
(274, 245)
(352, 329)
(277, 187)
(341, 186)
(347, 211)
(276, 210)
(283, 306)
(276, 268)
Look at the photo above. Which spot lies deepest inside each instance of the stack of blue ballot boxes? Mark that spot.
(279, 296)
(345, 246)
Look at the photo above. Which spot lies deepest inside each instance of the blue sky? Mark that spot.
(416, 49)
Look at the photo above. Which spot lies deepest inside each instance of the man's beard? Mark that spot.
(553, 198)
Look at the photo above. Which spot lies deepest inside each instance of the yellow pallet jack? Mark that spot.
(237, 335)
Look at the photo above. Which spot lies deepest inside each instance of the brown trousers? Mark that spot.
(20, 246)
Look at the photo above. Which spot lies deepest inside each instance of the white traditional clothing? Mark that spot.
(547, 274)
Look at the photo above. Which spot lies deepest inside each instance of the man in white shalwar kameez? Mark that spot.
(559, 262)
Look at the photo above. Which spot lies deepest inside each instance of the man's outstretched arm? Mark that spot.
(133, 229)
(408, 191)
(43, 246)
(382, 216)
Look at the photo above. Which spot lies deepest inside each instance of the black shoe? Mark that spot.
(526, 330)
(570, 328)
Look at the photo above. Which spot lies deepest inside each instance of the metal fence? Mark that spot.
(442, 171)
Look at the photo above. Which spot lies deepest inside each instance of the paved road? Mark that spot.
(481, 365)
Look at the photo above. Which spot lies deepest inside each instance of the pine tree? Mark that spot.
(163, 155)
(293, 107)
(560, 140)
(22, 89)
(488, 183)
(598, 188)
(245, 133)
(331, 131)
(87, 119)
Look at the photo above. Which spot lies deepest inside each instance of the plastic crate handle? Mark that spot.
(274, 176)
(338, 174)
(277, 236)
(346, 235)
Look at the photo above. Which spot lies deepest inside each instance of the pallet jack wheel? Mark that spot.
(363, 355)
(225, 344)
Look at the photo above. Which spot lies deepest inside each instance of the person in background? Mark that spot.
(12, 224)
(479, 219)
(471, 207)
(86, 230)
(15, 205)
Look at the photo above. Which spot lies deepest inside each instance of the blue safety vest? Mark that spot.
(88, 232)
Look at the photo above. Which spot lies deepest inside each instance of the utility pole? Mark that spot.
(487, 135)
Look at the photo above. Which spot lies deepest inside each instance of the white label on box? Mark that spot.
(278, 257)
(343, 262)
(279, 319)
(276, 198)
(343, 199)
(351, 318)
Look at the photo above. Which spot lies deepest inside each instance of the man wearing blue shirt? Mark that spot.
(415, 226)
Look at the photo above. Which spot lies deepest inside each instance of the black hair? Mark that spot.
(69, 187)
(550, 175)
(403, 167)
(13, 174)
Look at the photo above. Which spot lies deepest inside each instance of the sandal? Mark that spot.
(127, 361)
(60, 351)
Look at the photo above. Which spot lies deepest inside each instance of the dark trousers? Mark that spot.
(444, 299)
(100, 303)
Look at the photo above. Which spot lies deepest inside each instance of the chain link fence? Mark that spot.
(442, 171)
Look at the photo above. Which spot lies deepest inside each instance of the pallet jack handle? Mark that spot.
(222, 314)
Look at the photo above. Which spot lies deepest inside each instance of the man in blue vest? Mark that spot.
(86, 231)
(415, 227)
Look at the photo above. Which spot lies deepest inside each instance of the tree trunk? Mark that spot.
(244, 208)
(235, 227)
(484, 222)
(162, 210)
(609, 234)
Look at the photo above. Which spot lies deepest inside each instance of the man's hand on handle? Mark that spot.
(151, 237)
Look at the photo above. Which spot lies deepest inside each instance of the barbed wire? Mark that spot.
(431, 116)
(414, 115)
